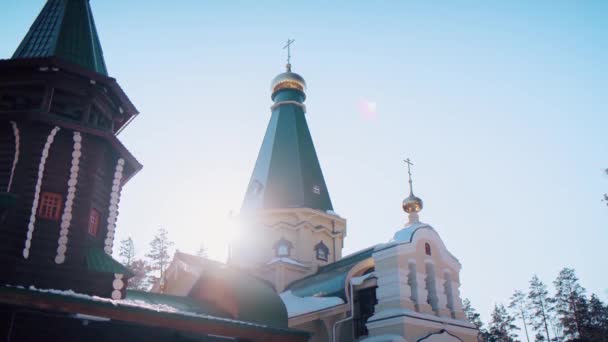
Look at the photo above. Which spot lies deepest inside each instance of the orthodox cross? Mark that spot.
(409, 172)
(288, 47)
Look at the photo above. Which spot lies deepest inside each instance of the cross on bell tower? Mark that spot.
(411, 204)
(288, 47)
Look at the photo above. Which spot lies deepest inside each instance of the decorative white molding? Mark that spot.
(16, 157)
(301, 105)
(66, 218)
(113, 210)
(43, 157)
(118, 284)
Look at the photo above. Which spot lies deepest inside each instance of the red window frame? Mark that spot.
(94, 219)
(50, 206)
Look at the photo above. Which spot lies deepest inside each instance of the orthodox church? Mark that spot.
(62, 170)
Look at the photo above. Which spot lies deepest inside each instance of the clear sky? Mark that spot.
(500, 104)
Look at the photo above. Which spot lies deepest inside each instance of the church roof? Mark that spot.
(251, 298)
(330, 280)
(287, 173)
(143, 309)
(99, 261)
(65, 29)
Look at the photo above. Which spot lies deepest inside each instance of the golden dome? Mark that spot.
(288, 80)
(412, 204)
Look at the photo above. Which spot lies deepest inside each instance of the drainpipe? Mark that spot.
(352, 311)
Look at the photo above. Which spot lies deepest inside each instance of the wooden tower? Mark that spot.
(62, 166)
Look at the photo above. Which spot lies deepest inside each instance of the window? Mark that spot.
(322, 251)
(94, 219)
(69, 104)
(282, 248)
(50, 206)
(427, 249)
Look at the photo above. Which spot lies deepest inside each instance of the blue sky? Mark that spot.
(501, 106)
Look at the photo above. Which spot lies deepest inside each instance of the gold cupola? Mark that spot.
(412, 204)
(288, 80)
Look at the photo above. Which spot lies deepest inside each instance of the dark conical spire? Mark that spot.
(65, 29)
(287, 173)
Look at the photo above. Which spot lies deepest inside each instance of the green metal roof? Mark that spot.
(99, 261)
(330, 280)
(256, 299)
(185, 304)
(65, 29)
(131, 304)
(287, 173)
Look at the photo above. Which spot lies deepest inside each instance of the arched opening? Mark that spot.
(427, 249)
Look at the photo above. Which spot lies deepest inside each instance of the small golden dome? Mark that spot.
(412, 204)
(288, 80)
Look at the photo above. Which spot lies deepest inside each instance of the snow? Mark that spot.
(136, 304)
(285, 260)
(405, 235)
(297, 306)
(359, 280)
(331, 212)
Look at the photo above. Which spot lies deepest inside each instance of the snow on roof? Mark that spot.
(285, 260)
(331, 212)
(297, 306)
(163, 308)
(359, 280)
(405, 234)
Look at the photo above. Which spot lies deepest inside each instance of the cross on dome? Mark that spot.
(411, 204)
(288, 47)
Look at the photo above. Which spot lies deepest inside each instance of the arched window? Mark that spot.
(282, 248)
(282, 251)
(427, 249)
(322, 251)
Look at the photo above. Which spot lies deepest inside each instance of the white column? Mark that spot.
(32, 223)
(113, 210)
(66, 218)
(16, 156)
(118, 284)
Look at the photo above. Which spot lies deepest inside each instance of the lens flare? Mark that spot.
(368, 110)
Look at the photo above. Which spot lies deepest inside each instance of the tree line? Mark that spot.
(151, 268)
(568, 315)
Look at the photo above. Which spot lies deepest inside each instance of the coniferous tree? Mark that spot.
(127, 251)
(475, 318)
(519, 304)
(570, 303)
(158, 255)
(501, 327)
(540, 305)
(597, 320)
(140, 279)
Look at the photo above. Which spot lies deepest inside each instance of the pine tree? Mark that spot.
(501, 327)
(474, 317)
(570, 303)
(598, 320)
(141, 270)
(127, 251)
(540, 305)
(158, 255)
(520, 305)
